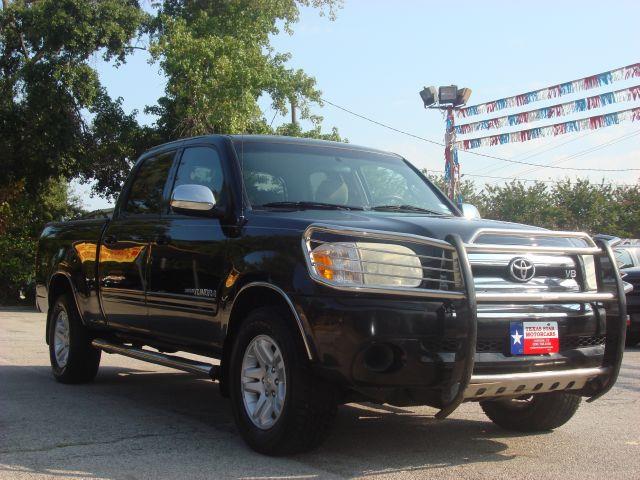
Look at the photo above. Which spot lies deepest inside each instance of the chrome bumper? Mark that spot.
(492, 386)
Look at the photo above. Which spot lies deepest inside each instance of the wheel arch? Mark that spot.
(251, 296)
(59, 284)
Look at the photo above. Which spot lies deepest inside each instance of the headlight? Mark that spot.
(364, 263)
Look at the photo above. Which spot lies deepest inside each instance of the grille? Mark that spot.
(581, 342)
(501, 345)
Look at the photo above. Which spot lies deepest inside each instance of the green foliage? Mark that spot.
(294, 130)
(48, 93)
(117, 140)
(47, 83)
(218, 60)
(22, 216)
(566, 205)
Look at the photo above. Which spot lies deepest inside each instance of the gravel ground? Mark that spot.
(144, 421)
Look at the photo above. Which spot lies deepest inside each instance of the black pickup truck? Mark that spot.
(321, 273)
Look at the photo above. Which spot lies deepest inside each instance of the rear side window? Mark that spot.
(145, 194)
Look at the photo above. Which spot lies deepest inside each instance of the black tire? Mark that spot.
(83, 360)
(537, 413)
(310, 403)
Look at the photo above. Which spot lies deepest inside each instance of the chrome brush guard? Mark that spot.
(447, 275)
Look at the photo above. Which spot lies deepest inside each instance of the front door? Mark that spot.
(188, 260)
(125, 245)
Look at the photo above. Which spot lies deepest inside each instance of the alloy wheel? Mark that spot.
(61, 339)
(263, 382)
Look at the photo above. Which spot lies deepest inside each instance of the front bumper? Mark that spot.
(464, 373)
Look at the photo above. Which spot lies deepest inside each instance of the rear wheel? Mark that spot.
(533, 413)
(278, 404)
(73, 359)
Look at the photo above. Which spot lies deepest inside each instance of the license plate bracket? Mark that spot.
(534, 338)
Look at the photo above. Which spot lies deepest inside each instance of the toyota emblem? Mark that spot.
(521, 269)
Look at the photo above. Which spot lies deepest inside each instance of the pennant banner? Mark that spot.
(590, 123)
(584, 104)
(555, 91)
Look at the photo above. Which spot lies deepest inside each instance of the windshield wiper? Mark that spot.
(405, 208)
(310, 206)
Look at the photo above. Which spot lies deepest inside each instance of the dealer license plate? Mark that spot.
(534, 338)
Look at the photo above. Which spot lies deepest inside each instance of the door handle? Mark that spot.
(109, 239)
(163, 239)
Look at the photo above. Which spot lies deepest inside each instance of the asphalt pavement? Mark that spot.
(139, 421)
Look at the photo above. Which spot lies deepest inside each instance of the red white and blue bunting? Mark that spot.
(590, 123)
(587, 83)
(554, 111)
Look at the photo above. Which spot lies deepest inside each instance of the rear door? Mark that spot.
(188, 259)
(125, 245)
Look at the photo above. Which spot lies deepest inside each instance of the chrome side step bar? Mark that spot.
(512, 385)
(184, 364)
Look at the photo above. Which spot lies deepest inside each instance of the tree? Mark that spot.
(565, 205)
(48, 95)
(21, 220)
(48, 88)
(219, 61)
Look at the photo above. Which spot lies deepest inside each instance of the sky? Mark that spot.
(377, 55)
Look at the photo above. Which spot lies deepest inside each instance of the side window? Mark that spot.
(201, 166)
(145, 194)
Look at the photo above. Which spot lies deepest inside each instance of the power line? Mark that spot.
(585, 152)
(531, 164)
(536, 151)
(383, 124)
(578, 169)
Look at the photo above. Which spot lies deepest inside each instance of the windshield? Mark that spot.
(311, 176)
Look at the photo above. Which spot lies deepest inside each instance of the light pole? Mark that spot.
(448, 98)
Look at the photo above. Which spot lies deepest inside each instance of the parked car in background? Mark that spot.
(632, 276)
(627, 256)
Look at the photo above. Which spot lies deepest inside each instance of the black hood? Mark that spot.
(423, 225)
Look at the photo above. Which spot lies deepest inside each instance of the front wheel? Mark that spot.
(73, 359)
(278, 404)
(533, 413)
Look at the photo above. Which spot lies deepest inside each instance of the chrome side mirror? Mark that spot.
(470, 212)
(193, 197)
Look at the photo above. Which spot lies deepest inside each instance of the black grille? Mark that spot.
(580, 342)
(501, 345)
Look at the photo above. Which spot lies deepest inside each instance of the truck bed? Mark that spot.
(70, 250)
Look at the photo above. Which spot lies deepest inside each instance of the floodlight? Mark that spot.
(429, 96)
(448, 94)
(463, 96)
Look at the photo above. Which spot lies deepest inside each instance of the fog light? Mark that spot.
(379, 358)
